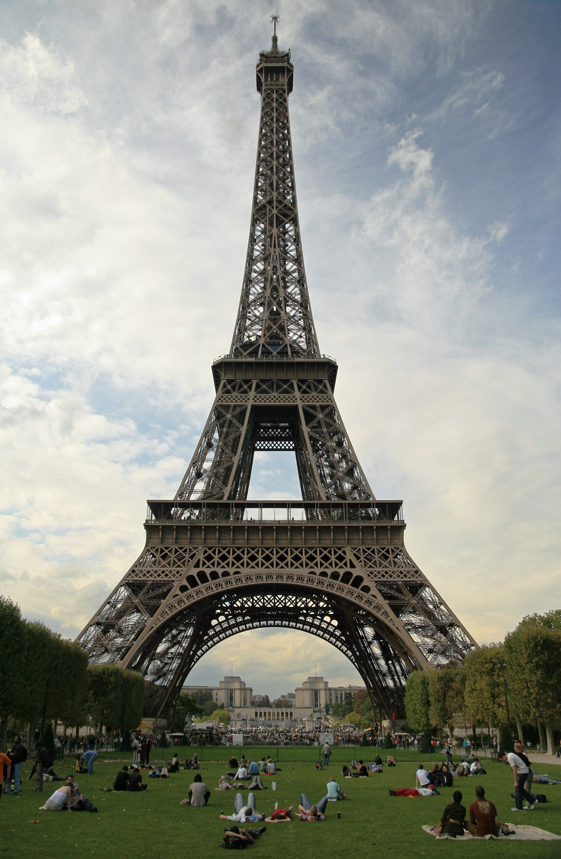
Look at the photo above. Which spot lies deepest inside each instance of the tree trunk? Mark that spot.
(542, 736)
(4, 732)
(520, 731)
(550, 741)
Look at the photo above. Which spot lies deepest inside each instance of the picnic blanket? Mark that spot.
(521, 833)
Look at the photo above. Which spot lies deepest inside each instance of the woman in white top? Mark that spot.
(58, 799)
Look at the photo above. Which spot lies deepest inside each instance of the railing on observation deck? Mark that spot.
(291, 512)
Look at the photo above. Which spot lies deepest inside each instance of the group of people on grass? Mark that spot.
(454, 821)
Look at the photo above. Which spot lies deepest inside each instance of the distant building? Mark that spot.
(230, 692)
(247, 710)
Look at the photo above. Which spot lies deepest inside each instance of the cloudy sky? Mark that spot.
(427, 147)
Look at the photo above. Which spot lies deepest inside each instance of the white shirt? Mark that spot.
(423, 777)
(517, 762)
(241, 773)
(424, 791)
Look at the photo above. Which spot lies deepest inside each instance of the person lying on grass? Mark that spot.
(243, 812)
(307, 811)
(280, 815)
(224, 783)
(237, 838)
(429, 790)
(256, 784)
(452, 821)
(71, 795)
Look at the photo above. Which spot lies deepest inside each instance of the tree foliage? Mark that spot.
(446, 697)
(12, 655)
(485, 701)
(186, 706)
(221, 715)
(116, 696)
(417, 700)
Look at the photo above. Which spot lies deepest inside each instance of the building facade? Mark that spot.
(230, 692)
(307, 704)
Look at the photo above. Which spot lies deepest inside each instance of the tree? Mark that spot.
(48, 741)
(116, 696)
(485, 696)
(533, 658)
(417, 700)
(12, 655)
(186, 706)
(443, 694)
(221, 716)
(354, 719)
(361, 700)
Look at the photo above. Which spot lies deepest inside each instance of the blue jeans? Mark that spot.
(520, 791)
(321, 805)
(16, 776)
(90, 757)
(326, 760)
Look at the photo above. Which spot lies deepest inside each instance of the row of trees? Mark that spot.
(499, 685)
(44, 678)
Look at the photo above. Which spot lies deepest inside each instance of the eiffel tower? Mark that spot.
(333, 564)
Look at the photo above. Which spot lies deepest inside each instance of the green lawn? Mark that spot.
(153, 824)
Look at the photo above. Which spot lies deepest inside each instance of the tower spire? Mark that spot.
(274, 41)
(274, 314)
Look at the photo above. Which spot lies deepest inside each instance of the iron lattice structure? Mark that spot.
(333, 564)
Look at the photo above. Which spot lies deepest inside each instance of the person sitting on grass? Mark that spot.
(199, 793)
(476, 768)
(345, 772)
(453, 817)
(80, 768)
(362, 771)
(334, 792)
(482, 816)
(390, 761)
(271, 767)
(429, 790)
(241, 773)
(313, 813)
(243, 812)
(174, 766)
(280, 815)
(262, 766)
(378, 761)
(135, 782)
(256, 784)
(121, 781)
(237, 838)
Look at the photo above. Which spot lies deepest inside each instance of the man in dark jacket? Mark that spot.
(18, 756)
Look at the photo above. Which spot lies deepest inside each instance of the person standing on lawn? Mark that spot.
(520, 771)
(326, 751)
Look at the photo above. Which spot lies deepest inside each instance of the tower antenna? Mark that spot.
(275, 42)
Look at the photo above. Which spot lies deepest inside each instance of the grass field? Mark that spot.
(153, 824)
